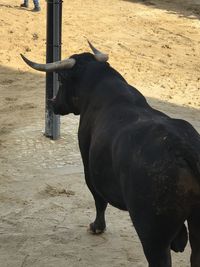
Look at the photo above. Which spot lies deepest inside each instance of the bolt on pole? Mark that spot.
(53, 53)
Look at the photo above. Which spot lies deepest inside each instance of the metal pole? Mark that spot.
(53, 53)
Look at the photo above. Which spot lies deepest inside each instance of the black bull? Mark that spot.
(135, 157)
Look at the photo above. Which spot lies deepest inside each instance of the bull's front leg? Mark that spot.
(99, 224)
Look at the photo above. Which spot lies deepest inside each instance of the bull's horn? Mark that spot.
(97, 54)
(50, 67)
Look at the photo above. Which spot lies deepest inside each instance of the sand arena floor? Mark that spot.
(45, 206)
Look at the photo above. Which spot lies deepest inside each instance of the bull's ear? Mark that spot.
(97, 54)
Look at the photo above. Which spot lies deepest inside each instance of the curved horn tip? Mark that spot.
(94, 50)
(27, 61)
(90, 45)
(98, 54)
(23, 57)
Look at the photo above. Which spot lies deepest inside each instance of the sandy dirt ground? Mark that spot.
(45, 206)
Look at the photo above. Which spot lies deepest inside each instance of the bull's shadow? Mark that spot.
(189, 9)
(23, 101)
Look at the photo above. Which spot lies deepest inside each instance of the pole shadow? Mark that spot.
(22, 96)
(189, 9)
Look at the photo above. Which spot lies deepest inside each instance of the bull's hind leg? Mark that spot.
(194, 236)
(157, 253)
(157, 256)
(156, 239)
(156, 233)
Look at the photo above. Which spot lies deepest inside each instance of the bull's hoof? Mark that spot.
(93, 229)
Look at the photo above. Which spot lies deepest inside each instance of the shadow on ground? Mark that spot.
(22, 99)
(185, 8)
(22, 96)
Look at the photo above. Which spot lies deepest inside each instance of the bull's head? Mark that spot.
(69, 71)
